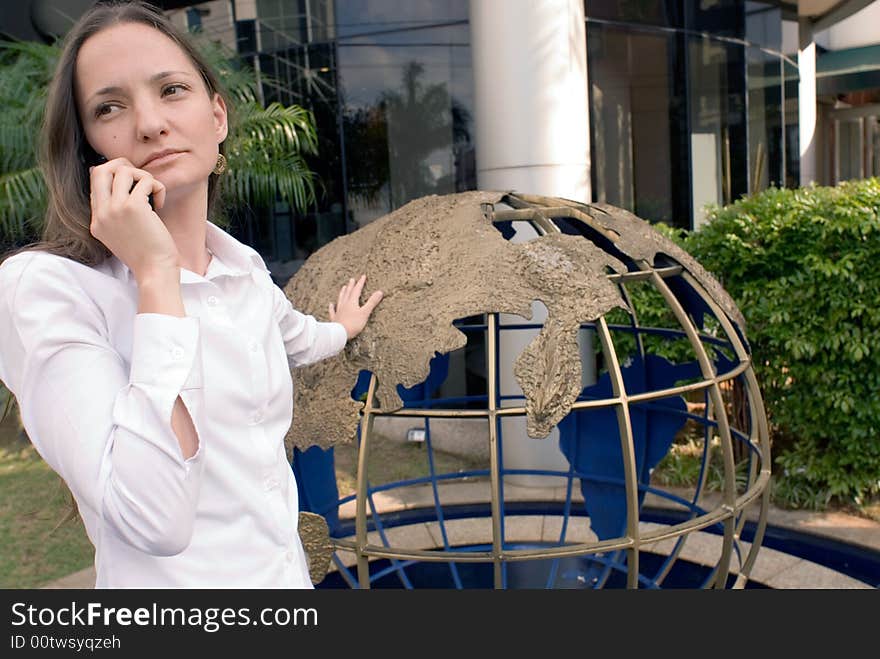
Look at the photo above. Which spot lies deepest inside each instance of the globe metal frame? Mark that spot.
(729, 514)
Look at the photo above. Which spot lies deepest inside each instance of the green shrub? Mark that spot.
(804, 267)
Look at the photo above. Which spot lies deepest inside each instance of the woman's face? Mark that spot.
(140, 97)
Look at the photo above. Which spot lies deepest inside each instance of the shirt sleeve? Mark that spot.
(103, 425)
(306, 339)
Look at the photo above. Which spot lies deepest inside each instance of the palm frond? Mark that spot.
(17, 145)
(27, 69)
(36, 50)
(276, 129)
(22, 202)
(235, 75)
(260, 184)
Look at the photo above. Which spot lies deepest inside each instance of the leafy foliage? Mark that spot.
(25, 71)
(803, 267)
(685, 462)
(660, 332)
(267, 145)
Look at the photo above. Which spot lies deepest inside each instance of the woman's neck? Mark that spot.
(186, 220)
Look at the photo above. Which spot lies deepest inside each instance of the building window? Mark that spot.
(686, 105)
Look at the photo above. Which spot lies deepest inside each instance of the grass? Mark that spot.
(41, 536)
(681, 467)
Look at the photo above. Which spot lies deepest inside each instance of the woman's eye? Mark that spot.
(173, 90)
(103, 110)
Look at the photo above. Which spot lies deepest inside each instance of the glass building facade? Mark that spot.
(391, 88)
(689, 105)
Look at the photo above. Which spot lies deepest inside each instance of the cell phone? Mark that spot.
(91, 158)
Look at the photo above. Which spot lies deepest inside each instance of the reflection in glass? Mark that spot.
(717, 17)
(685, 111)
(633, 116)
(765, 120)
(420, 137)
(849, 162)
(716, 109)
(792, 134)
(406, 116)
(764, 24)
(764, 79)
(874, 138)
(664, 13)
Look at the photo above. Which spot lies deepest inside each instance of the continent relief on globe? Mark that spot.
(438, 259)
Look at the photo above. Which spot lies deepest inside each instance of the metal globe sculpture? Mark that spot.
(565, 349)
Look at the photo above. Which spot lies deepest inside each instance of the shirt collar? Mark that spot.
(230, 258)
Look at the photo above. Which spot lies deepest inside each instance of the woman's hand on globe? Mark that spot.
(348, 312)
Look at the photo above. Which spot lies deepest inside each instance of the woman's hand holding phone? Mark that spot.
(126, 222)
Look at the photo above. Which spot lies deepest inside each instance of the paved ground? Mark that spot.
(773, 568)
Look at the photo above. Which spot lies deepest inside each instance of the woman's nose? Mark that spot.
(150, 121)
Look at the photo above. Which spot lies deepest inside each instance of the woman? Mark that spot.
(149, 351)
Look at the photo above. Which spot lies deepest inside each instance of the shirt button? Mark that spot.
(256, 418)
(271, 484)
(253, 346)
(212, 300)
(289, 556)
(177, 353)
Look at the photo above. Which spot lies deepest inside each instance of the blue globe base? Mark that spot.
(570, 574)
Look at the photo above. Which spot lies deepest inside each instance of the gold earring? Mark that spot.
(220, 167)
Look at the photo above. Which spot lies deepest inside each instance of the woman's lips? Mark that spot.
(162, 159)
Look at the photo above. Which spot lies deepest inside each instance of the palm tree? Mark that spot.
(400, 132)
(25, 70)
(419, 122)
(266, 147)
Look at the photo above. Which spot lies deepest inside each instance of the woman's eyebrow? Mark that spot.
(116, 89)
(167, 74)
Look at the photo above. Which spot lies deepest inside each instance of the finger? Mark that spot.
(331, 311)
(120, 161)
(359, 287)
(91, 192)
(116, 164)
(155, 188)
(100, 185)
(374, 299)
(142, 189)
(101, 177)
(158, 194)
(123, 180)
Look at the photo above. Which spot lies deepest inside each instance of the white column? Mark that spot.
(532, 128)
(532, 134)
(807, 101)
(519, 451)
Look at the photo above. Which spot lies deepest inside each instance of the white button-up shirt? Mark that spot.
(96, 382)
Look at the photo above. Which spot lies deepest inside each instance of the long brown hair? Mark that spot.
(63, 146)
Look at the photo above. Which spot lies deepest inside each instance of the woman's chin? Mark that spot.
(178, 188)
